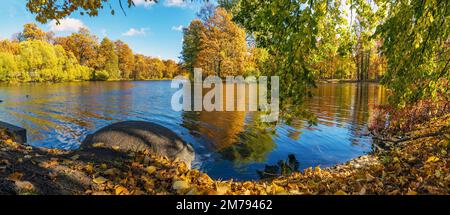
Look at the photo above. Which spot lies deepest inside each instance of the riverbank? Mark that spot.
(416, 166)
(78, 81)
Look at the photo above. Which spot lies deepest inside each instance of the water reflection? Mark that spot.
(282, 168)
(237, 136)
(228, 144)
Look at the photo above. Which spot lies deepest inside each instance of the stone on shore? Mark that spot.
(139, 136)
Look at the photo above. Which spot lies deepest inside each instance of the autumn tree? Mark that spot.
(39, 61)
(155, 68)
(416, 45)
(83, 45)
(255, 61)
(9, 69)
(31, 32)
(107, 58)
(8, 46)
(368, 16)
(170, 69)
(126, 59)
(140, 66)
(224, 46)
(217, 45)
(191, 44)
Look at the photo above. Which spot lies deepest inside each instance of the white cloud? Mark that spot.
(67, 25)
(144, 3)
(175, 3)
(177, 28)
(135, 32)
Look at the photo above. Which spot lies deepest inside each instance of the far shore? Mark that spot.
(346, 81)
(169, 79)
(78, 81)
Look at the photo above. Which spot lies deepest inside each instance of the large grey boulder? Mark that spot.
(137, 136)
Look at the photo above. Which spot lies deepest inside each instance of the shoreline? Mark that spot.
(168, 79)
(339, 81)
(414, 167)
(66, 82)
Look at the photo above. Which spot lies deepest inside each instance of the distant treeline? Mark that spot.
(37, 56)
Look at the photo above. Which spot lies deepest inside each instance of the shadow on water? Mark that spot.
(282, 168)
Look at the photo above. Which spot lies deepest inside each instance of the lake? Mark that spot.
(227, 144)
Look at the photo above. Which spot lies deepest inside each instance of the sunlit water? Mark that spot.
(227, 144)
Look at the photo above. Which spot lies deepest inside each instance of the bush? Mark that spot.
(101, 75)
(388, 119)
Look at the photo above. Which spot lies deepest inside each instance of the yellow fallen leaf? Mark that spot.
(340, 192)
(180, 185)
(121, 190)
(15, 176)
(100, 180)
(432, 159)
(97, 145)
(204, 178)
(89, 168)
(150, 169)
(24, 185)
(317, 169)
(362, 191)
(275, 189)
(193, 191)
(222, 188)
(411, 192)
(111, 171)
(247, 184)
(369, 177)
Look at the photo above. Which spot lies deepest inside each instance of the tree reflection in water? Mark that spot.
(253, 145)
(237, 136)
(282, 168)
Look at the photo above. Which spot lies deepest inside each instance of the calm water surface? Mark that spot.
(227, 144)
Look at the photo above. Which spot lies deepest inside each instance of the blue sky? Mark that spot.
(150, 29)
